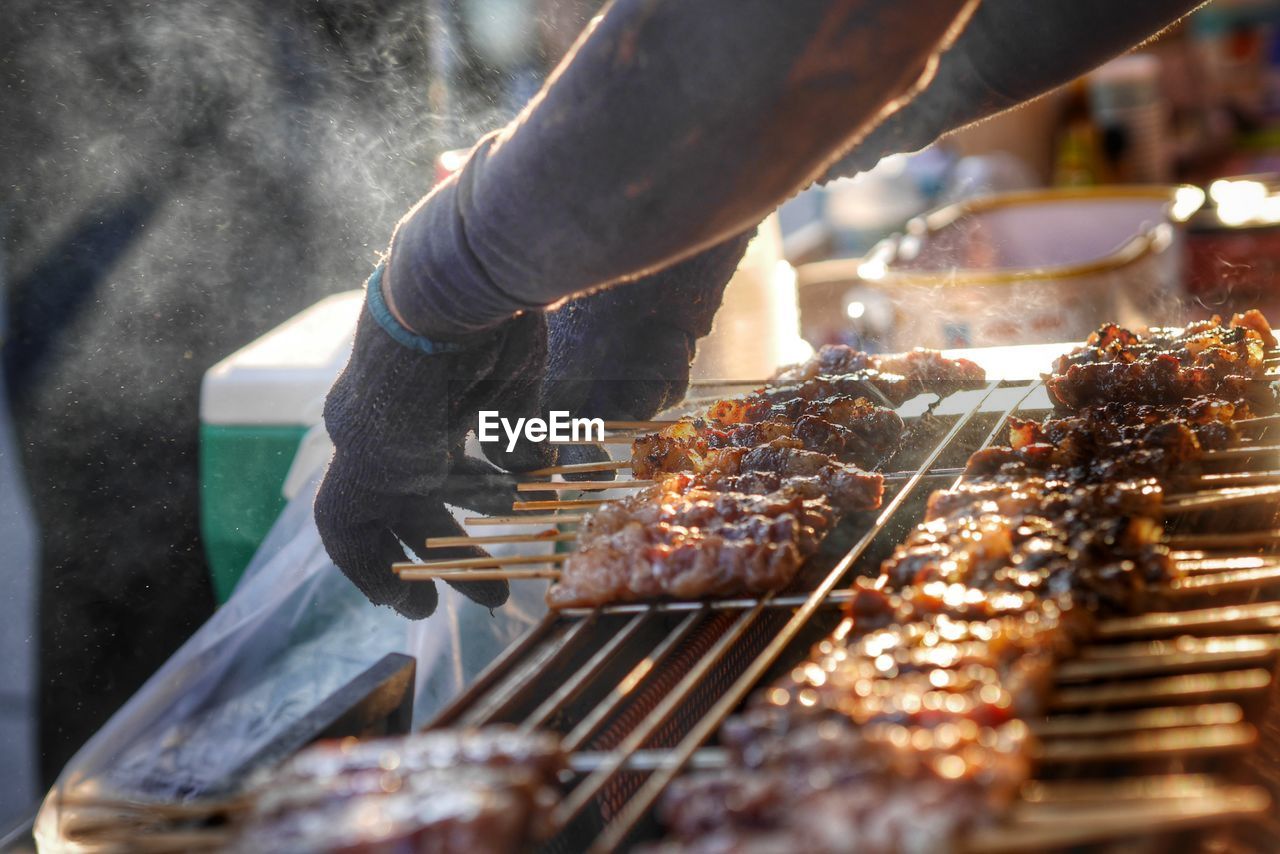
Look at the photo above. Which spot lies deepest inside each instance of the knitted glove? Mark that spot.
(624, 352)
(398, 417)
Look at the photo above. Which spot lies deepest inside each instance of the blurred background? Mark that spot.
(178, 179)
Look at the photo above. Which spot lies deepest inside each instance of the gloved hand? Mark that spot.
(398, 418)
(624, 352)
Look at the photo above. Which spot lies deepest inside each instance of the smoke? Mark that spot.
(179, 177)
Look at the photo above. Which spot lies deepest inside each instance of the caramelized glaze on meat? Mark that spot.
(1207, 358)
(683, 539)
(446, 791)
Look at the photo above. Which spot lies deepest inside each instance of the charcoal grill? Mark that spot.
(1160, 730)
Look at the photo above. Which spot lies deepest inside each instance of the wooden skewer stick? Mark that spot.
(1090, 670)
(712, 383)
(544, 519)
(478, 562)
(1172, 646)
(577, 468)
(1259, 421)
(1238, 478)
(1117, 821)
(1217, 499)
(1258, 616)
(1198, 686)
(584, 485)
(607, 440)
(478, 574)
(1205, 566)
(1040, 798)
(1239, 540)
(1134, 746)
(655, 424)
(1222, 582)
(1240, 451)
(548, 536)
(561, 504)
(1143, 720)
(1066, 793)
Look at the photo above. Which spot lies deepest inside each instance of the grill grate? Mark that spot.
(637, 690)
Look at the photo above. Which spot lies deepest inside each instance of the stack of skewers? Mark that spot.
(734, 500)
(908, 727)
(915, 724)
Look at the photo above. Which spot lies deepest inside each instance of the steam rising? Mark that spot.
(180, 177)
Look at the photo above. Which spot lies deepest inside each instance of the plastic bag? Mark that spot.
(294, 631)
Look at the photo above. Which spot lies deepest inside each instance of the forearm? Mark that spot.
(672, 126)
(1012, 51)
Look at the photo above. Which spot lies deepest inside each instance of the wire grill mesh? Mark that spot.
(674, 654)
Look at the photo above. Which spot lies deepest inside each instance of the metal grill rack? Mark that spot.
(638, 690)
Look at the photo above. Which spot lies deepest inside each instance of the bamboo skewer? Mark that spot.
(714, 383)
(1029, 831)
(584, 485)
(1239, 478)
(549, 536)
(1177, 646)
(578, 468)
(477, 562)
(563, 503)
(1184, 688)
(1257, 616)
(1091, 670)
(647, 426)
(1222, 582)
(544, 519)
(1198, 564)
(1135, 746)
(1065, 793)
(1259, 421)
(1217, 499)
(422, 574)
(1240, 451)
(1143, 720)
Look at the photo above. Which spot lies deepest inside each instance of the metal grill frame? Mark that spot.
(519, 676)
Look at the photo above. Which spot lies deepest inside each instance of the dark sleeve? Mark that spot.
(1012, 51)
(671, 126)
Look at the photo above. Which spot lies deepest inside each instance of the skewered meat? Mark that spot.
(930, 668)
(1115, 441)
(903, 727)
(1098, 545)
(847, 429)
(1212, 420)
(683, 539)
(1161, 380)
(833, 787)
(1238, 348)
(1118, 365)
(897, 376)
(445, 791)
(747, 469)
(1051, 499)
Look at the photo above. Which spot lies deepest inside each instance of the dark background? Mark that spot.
(177, 178)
